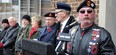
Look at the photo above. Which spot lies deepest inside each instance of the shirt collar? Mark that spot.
(65, 21)
(63, 24)
(87, 28)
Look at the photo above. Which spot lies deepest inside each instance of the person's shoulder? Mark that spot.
(74, 29)
(100, 28)
(20, 28)
(76, 26)
(41, 28)
(104, 32)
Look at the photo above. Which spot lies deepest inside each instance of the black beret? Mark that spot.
(5, 21)
(86, 3)
(62, 5)
(27, 17)
(50, 14)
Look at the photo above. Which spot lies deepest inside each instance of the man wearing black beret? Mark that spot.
(64, 18)
(90, 39)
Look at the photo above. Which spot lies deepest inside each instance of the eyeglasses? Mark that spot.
(83, 11)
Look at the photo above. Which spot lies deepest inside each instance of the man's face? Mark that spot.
(25, 22)
(86, 15)
(50, 21)
(4, 25)
(12, 23)
(60, 14)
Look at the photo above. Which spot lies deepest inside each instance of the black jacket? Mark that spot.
(71, 20)
(65, 30)
(9, 39)
(92, 41)
(3, 32)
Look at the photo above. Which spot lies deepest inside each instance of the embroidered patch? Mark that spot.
(88, 3)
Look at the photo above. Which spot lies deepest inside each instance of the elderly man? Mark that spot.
(26, 23)
(49, 32)
(64, 18)
(7, 43)
(88, 38)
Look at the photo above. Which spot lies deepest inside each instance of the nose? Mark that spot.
(86, 14)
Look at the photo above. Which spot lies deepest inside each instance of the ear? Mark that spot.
(64, 13)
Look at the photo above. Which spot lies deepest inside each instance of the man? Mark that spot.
(63, 11)
(26, 23)
(7, 43)
(49, 32)
(63, 16)
(90, 39)
(5, 26)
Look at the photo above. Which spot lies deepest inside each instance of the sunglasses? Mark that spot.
(83, 11)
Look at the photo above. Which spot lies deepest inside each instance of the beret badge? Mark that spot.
(50, 15)
(88, 3)
(92, 5)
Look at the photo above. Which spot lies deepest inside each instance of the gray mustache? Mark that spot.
(86, 17)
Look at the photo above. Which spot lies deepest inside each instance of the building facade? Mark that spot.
(105, 10)
(18, 8)
(74, 4)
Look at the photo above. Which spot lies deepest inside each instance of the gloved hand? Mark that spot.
(1, 45)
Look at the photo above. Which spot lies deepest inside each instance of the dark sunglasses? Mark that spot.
(83, 11)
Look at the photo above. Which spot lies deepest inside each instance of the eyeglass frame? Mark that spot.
(89, 11)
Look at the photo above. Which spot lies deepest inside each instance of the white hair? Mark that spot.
(12, 18)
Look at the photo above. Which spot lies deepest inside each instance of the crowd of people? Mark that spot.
(86, 37)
